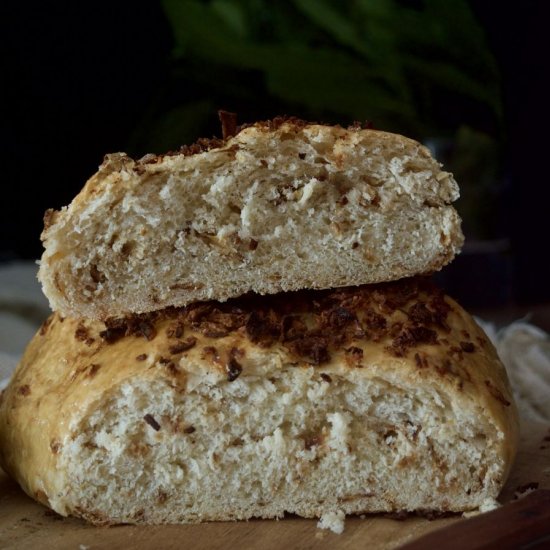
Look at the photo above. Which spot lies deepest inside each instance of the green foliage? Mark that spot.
(374, 59)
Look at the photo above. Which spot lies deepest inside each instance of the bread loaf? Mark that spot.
(380, 398)
(281, 206)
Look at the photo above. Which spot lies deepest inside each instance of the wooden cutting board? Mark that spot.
(26, 524)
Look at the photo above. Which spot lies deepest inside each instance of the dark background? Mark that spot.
(84, 79)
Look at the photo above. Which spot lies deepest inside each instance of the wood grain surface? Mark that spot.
(521, 524)
(24, 524)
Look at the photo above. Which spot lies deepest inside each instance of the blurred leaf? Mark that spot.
(194, 22)
(462, 34)
(447, 76)
(340, 85)
(376, 44)
(344, 83)
(323, 13)
(176, 127)
(232, 14)
(380, 59)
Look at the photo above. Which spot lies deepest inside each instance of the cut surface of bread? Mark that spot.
(382, 398)
(278, 207)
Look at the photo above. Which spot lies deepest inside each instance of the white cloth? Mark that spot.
(525, 351)
(23, 308)
(523, 348)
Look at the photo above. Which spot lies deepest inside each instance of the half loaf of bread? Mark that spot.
(381, 398)
(281, 206)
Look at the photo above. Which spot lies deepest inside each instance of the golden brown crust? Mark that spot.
(203, 145)
(310, 325)
(291, 124)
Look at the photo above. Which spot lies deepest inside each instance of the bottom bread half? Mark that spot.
(173, 423)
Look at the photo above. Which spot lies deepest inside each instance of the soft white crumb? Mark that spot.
(523, 492)
(83, 547)
(333, 521)
(488, 505)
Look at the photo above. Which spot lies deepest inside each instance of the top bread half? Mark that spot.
(282, 205)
